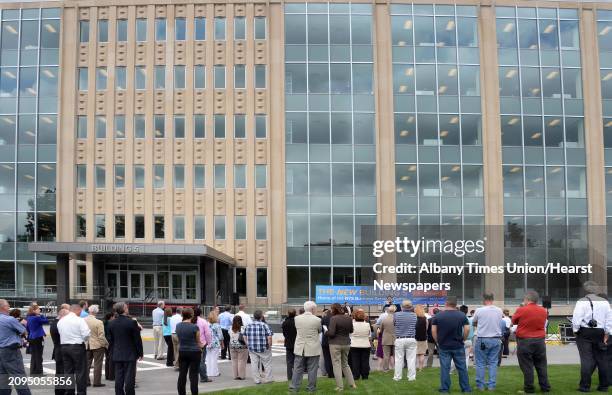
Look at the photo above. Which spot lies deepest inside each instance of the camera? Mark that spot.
(592, 323)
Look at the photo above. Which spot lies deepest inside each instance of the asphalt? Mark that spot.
(154, 378)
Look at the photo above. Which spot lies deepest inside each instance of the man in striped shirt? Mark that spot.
(405, 343)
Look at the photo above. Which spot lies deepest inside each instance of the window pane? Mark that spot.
(84, 31)
(158, 176)
(179, 176)
(102, 31)
(82, 126)
(200, 28)
(219, 176)
(141, 29)
(139, 226)
(159, 226)
(100, 127)
(261, 227)
(199, 227)
(198, 176)
(179, 227)
(260, 76)
(100, 177)
(120, 126)
(239, 176)
(260, 28)
(179, 77)
(179, 29)
(219, 77)
(199, 77)
(120, 78)
(239, 28)
(159, 126)
(179, 127)
(219, 227)
(260, 126)
(260, 176)
(239, 126)
(199, 126)
(219, 28)
(139, 126)
(239, 76)
(160, 29)
(139, 176)
(219, 126)
(119, 226)
(240, 228)
(121, 30)
(100, 226)
(160, 77)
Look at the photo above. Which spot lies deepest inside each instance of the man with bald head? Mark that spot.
(74, 333)
(11, 361)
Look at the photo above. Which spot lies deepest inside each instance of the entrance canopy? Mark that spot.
(216, 274)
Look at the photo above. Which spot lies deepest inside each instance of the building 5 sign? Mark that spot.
(367, 295)
(117, 248)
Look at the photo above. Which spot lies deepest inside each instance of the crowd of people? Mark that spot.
(403, 336)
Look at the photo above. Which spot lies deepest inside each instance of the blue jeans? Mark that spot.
(486, 358)
(458, 356)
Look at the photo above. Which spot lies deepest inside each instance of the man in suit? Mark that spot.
(307, 348)
(387, 330)
(126, 345)
(57, 347)
(96, 346)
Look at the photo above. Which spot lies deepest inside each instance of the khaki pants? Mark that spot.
(175, 343)
(265, 359)
(158, 342)
(239, 360)
(387, 351)
(95, 358)
(339, 357)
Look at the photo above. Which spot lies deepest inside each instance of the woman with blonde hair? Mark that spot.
(421, 335)
(214, 348)
(361, 344)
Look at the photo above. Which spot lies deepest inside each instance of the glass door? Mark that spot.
(136, 286)
(149, 286)
(191, 286)
(112, 284)
(176, 285)
(184, 287)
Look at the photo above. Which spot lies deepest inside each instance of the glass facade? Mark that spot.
(29, 59)
(604, 38)
(543, 152)
(437, 125)
(330, 142)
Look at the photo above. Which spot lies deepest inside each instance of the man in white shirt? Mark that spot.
(174, 320)
(487, 319)
(246, 318)
(74, 333)
(158, 338)
(592, 327)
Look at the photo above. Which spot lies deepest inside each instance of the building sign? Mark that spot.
(117, 248)
(367, 295)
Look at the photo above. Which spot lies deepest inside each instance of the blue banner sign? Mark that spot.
(366, 295)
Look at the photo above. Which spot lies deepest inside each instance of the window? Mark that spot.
(158, 176)
(100, 127)
(81, 173)
(219, 227)
(158, 220)
(83, 79)
(199, 77)
(200, 28)
(160, 29)
(100, 226)
(160, 77)
(262, 282)
(119, 176)
(119, 226)
(199, 180)
(241, 281)
(141, 77)
(261, 227)
(100, 176)
(139, 176)
(141, 29)
(239, 126)
(199, 227)
(260, 176)
(240, 227)
(219, 77)
(81, 226)
(120, 78)
(219, 176)
(239, 76)
(199, 126)
(82, 126)
(122, 30)
(84, 31)
(260, 76)
(101, 76)
(159, 124)
(179, 126)
(139, 226)
(179, 77)
(102, 31)
(82, 278)
(139, 126)
(120, 126)
(239, 28)
(219, 126)
(179, 176)
(239, 176)
(260, 127)
(179, 227)
(179, 29)
(260, 28)
(219, 28)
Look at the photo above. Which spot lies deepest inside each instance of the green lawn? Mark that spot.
(563, 379)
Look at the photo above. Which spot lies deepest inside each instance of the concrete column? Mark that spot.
(491, 155)
(62, 270)
(593, 137)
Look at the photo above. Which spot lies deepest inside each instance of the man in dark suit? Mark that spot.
(57, 347)
(126, 345)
